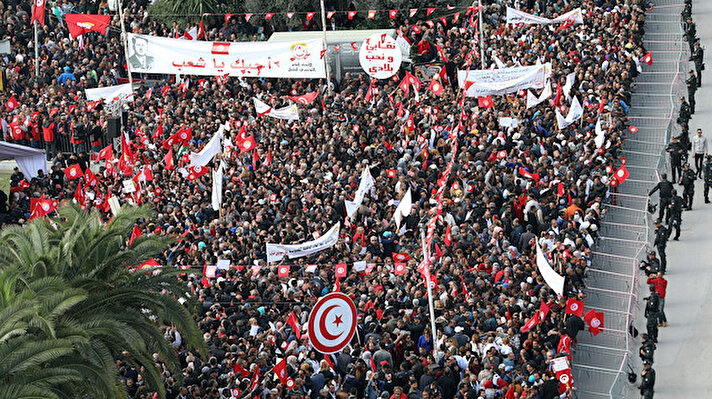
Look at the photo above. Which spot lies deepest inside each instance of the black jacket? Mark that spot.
(665, 188)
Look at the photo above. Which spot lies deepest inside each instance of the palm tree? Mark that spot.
(123, 308)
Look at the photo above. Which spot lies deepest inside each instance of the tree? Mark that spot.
(122, 308)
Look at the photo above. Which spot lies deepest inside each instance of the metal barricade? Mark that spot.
(602, 362)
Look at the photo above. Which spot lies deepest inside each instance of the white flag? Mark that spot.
(533, 101)
(551, 277)
(599, 135)
(404, 207)
(290, 112)
(217, 188)
(575, 112)
(363, 187)
(499, 62)
(213, 147)
(570, 78)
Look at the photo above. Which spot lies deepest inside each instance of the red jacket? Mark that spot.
(660, 285)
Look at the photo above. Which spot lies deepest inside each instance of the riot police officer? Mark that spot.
(675, 216)
(650, 265)
(677, 152)
(647, 381)
(690, 33)
(647, 349)
(651, 313)
(665, 188)
(691, 89)
(698, 56)
(688, 183)
(708, 178)
(684, 118)
(661, 236)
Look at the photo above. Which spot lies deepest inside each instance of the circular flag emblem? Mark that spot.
(72, 172)
(184, 135)
(400, 267)
(574, 307)
(595, 323)
(564, 378)
(45, 206)
(247, 145)
(197, 169)
(332, 323)
(10, 105)
(290, 383)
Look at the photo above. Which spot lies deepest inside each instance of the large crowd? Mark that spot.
(293, 187)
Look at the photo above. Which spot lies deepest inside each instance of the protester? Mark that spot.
(293, 186)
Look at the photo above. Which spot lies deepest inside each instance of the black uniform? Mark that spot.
(708, 179)
(647, 383)
(675, 215)
(684, 118)
(677, 152)
(651, 266)
(665, 188)
(661, 236)
(698, 56)
(651, 313)
(688, 192)
(691, 89)
(647, 350)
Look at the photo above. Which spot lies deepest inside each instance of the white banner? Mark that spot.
(515, 16)
(216, 195)
(290, 112)
(291, 59)
(363, 187)
(275, 252)
(404, 207)
(551, 277)
(485, 82)
(109, 94)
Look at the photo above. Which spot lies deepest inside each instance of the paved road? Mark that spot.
(683, 361)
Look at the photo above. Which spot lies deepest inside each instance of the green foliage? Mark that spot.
(69, 305)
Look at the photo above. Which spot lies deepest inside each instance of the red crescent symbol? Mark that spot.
(315, 326)
(322, 325)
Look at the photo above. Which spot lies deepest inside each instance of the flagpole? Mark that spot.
(326, 48)
(482, 42)
(426, 258)
(125, 39)
(37, 54)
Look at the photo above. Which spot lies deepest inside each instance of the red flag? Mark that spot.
(40, 207)
(622, 174)
(564, 344)
(574, 306)
(413, 80)
(310, 15)
(268, 159)
(105, 153)
(340, 270)
(412, 12)
(168, 160)
(401, 257)
(531, 322)
(337, 286)
(594, 320)
(448, 236)
(560, 190)
(305, 99)
(79, 24)
(73, 172)
(559, 94)
(430, 11)
(79, 194)
(436, 87)
(11, 103)
(438, 252)
(292, 321)
(392, 13)
(236, 368)
(399, 268)
(149, 263)
(38, 12)
(525, 173)
(403, 85)
(543, 311)
(135, 233)
(373, 365)
(221, 48)
(255, 379)
(371, 14)
(485, 102)
(197, 171)
(443, 20)
(246, 143)
(391, 173)
(269, 16)
(633, 129)
(648, 58)
(283, 270)
(351, 15)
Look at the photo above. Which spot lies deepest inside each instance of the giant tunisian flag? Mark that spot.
(80, 24)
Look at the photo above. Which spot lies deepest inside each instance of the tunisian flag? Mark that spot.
(574, 306)
(292, 321)
(79, 24)
(305, 99)
(38, 12)
(594, 320)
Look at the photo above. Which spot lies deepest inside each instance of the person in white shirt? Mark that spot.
(699, 148)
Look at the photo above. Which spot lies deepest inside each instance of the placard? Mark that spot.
(380, 56)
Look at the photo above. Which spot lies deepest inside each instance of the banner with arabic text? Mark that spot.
(514, 16)
(486, 82)
(289, 59)
(276, 252)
